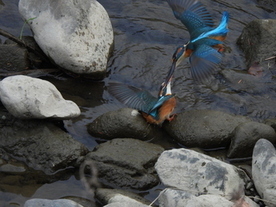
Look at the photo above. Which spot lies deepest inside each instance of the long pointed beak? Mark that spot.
(166, 86)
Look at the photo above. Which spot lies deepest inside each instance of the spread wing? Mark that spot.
(192, 14)
(133, 97)
(204, 61)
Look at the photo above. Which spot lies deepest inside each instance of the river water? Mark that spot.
(146, 35)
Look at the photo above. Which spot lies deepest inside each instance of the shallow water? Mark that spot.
(146, 34)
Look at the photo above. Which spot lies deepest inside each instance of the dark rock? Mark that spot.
(123, 123)
(245, 137)
(258, 41)
(204, 128)
(126, 163)
(40, 144)
(13, 58)
(264, 171)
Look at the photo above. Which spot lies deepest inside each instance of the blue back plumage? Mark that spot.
(220, 30)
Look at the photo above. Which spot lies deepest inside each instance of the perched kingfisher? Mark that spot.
(154, 110)
(205, 45)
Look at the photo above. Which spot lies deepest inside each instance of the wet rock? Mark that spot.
(27, 97)
(113, 197)
(10, 168)
(123, 123)
(199, 174)
(36, 202)
(77, 36)
(126, 163)
(13, 58)
(38, 144)
(257, 40)
(264, 171)
(245, 137)
(204, 128)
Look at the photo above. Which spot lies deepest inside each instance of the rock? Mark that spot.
(76, 35)
(123, 123)
(264, 171)
(178, 198)
(257, 40)
(26, 97)
(10, 168)
(36, 202)
(126, 163)
(38, 144)
(174, 197)
(204, 128)
(245, 137)
(13, 58)
(197, 173)
(109, 196)
(124, 201)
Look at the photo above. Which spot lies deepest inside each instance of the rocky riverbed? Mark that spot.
(65, 141)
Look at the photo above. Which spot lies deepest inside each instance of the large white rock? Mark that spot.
(76, 34)
(27, 97)
(123, 201)
(264, 171)
(36, 202)
(197, 173)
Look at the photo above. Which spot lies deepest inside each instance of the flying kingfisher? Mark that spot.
(154, 109)
(206, 41)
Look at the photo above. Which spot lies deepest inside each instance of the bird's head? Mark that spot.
(179, 54)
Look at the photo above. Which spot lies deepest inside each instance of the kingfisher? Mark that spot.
(206, 41)
(154, 109)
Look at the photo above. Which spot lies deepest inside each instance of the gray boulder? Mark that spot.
(26, 97)
(41, 145)
(126, 163)
(13, 58)
(258, 40)
(179, 198)
(36, 202)
(264, 171)
(204, 128)
(197, 173)
(76, 35)
(123, 123)
(115, 197)
(245, 137)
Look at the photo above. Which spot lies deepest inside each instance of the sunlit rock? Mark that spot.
(204, 128)
(76, 35)
(115, 197)
(264, 171)
(36, 202)
(26, 97)
(179, 198)
(126, 163)
(245, 137)
(197, 173)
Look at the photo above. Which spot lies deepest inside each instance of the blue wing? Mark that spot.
(204, 61)
(193, 15)
(133, 97)
(220, 30)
